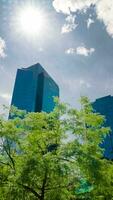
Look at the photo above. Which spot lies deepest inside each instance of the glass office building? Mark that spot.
(104, 106)
(34, 90)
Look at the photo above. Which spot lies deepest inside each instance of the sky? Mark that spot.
(73, 42)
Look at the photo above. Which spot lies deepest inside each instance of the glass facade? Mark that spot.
(50, 90)
(34, 90)
(104, 106)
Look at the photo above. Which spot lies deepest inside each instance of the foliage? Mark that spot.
(37, 162)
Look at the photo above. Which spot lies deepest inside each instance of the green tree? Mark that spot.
(37, 162)
(93, 169)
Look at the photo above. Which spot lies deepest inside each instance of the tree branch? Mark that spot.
(11, 159)
(3, 163)
(30, 190)
(43, 185)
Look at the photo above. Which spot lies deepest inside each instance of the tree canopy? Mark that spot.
(38, 161)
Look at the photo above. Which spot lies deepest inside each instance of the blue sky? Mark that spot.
(75, 46)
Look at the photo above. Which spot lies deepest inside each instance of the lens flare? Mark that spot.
(31, 20)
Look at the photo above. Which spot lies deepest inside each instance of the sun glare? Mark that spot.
(31, 20)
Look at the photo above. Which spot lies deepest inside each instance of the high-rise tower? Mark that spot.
(104, 106)
(34, 90)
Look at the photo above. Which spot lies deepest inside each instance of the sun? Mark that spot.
(31, 20)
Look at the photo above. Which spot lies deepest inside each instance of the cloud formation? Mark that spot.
(67, 6)
(89, 22)
(2, 48)
(81, 50)
(70, 51)
(5, 96)
(70, 24)
(40, 49)
(84, 51)
(103, 8)
(84, 83)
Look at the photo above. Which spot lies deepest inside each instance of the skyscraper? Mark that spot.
(34, 90)
(104, 106)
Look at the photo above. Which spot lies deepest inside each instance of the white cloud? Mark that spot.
(81, 50)
(62, 6)
(5, 96)
(103, 8)
(2, 48)
(40, 49)
(89, 22)
(67, 28)
(85, 83)
(70, 24)
(70, 51)
(84, 51)
(67, 6)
